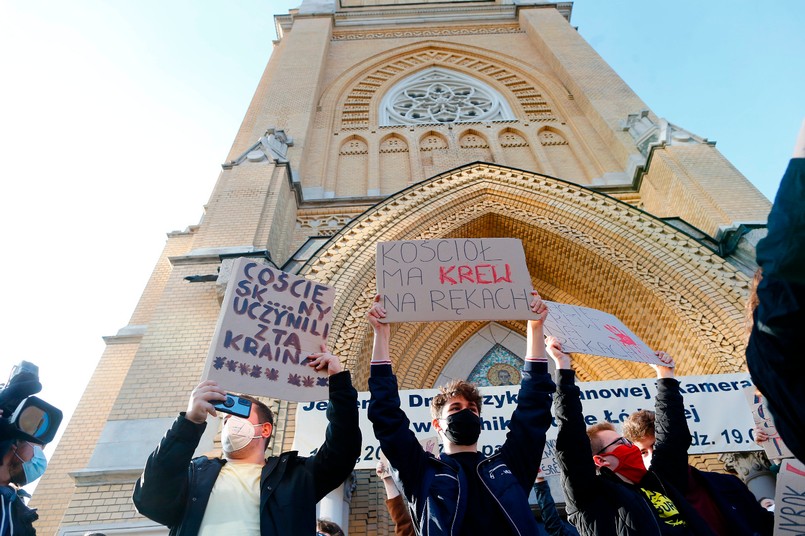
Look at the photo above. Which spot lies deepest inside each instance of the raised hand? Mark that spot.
(666, 370)
(538, 307)
(561, 359)
(380, 349)
(324, 360)
(202, 399)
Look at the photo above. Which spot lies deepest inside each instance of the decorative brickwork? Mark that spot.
(322, 225)
(343, 35)
(582, 247)
(356, 106)
(324, 86)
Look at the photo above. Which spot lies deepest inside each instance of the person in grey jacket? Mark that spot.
(244, 493)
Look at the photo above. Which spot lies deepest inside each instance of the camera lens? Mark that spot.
(229, 402)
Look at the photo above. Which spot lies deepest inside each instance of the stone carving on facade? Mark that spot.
(646, 133)
(272, 146)
(754, 469)
(322, 225)
(431, 32)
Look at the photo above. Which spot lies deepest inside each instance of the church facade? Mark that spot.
(377, 121)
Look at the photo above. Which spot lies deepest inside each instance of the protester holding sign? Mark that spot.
(722, 500)
(607, 488)
(462, 491)
(244, 493)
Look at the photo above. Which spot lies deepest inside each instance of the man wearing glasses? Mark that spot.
(607, 488)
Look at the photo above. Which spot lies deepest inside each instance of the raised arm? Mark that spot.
(670, 458)
(573, 452)
(525, 440)
(161, 491)
(547, 507)
(335, 459)
(389, 422)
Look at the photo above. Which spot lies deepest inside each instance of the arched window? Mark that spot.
(489, 357)
(438, 95)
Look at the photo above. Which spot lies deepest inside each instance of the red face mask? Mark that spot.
(630, 463)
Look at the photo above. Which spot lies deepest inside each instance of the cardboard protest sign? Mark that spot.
(429, 444)
(710, 403)
(270, 322)
(454, 279)
(789, 500)
(774, 446)
(590, 331)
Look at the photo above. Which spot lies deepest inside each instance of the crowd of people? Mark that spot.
(621, 482)
(634, 481)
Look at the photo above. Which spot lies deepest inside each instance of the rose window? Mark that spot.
(440, 96)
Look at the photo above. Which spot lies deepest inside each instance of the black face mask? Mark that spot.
(463, 427)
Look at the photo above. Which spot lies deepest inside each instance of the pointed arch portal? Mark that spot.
(582, 247)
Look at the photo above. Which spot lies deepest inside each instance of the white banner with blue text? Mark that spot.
(715, 406)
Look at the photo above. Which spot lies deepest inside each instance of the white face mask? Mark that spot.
(237, 433)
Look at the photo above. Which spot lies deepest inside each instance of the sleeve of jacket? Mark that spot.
(737, 503)
(670, 459)
(525, 440)
(160, 493)
(547, 507)
(403, 525)
(573, 452)
(335, 459)
(392, 429)
(774, 351)
(781, 253)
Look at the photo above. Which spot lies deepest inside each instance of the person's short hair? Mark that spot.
(639, 425)
(325, 525)
(592, 432)
(468, 391)
(263, 411)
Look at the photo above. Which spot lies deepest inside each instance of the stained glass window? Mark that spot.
(499, 366)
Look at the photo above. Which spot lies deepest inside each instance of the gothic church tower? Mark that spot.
(382, 120)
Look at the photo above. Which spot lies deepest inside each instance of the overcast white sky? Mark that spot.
(115, 116)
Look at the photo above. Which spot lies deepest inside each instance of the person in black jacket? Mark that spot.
(722, 500)
(608, 490)
(774, 353)
(244, 493)
(553, 523)
(21, 462)
(462, 491)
